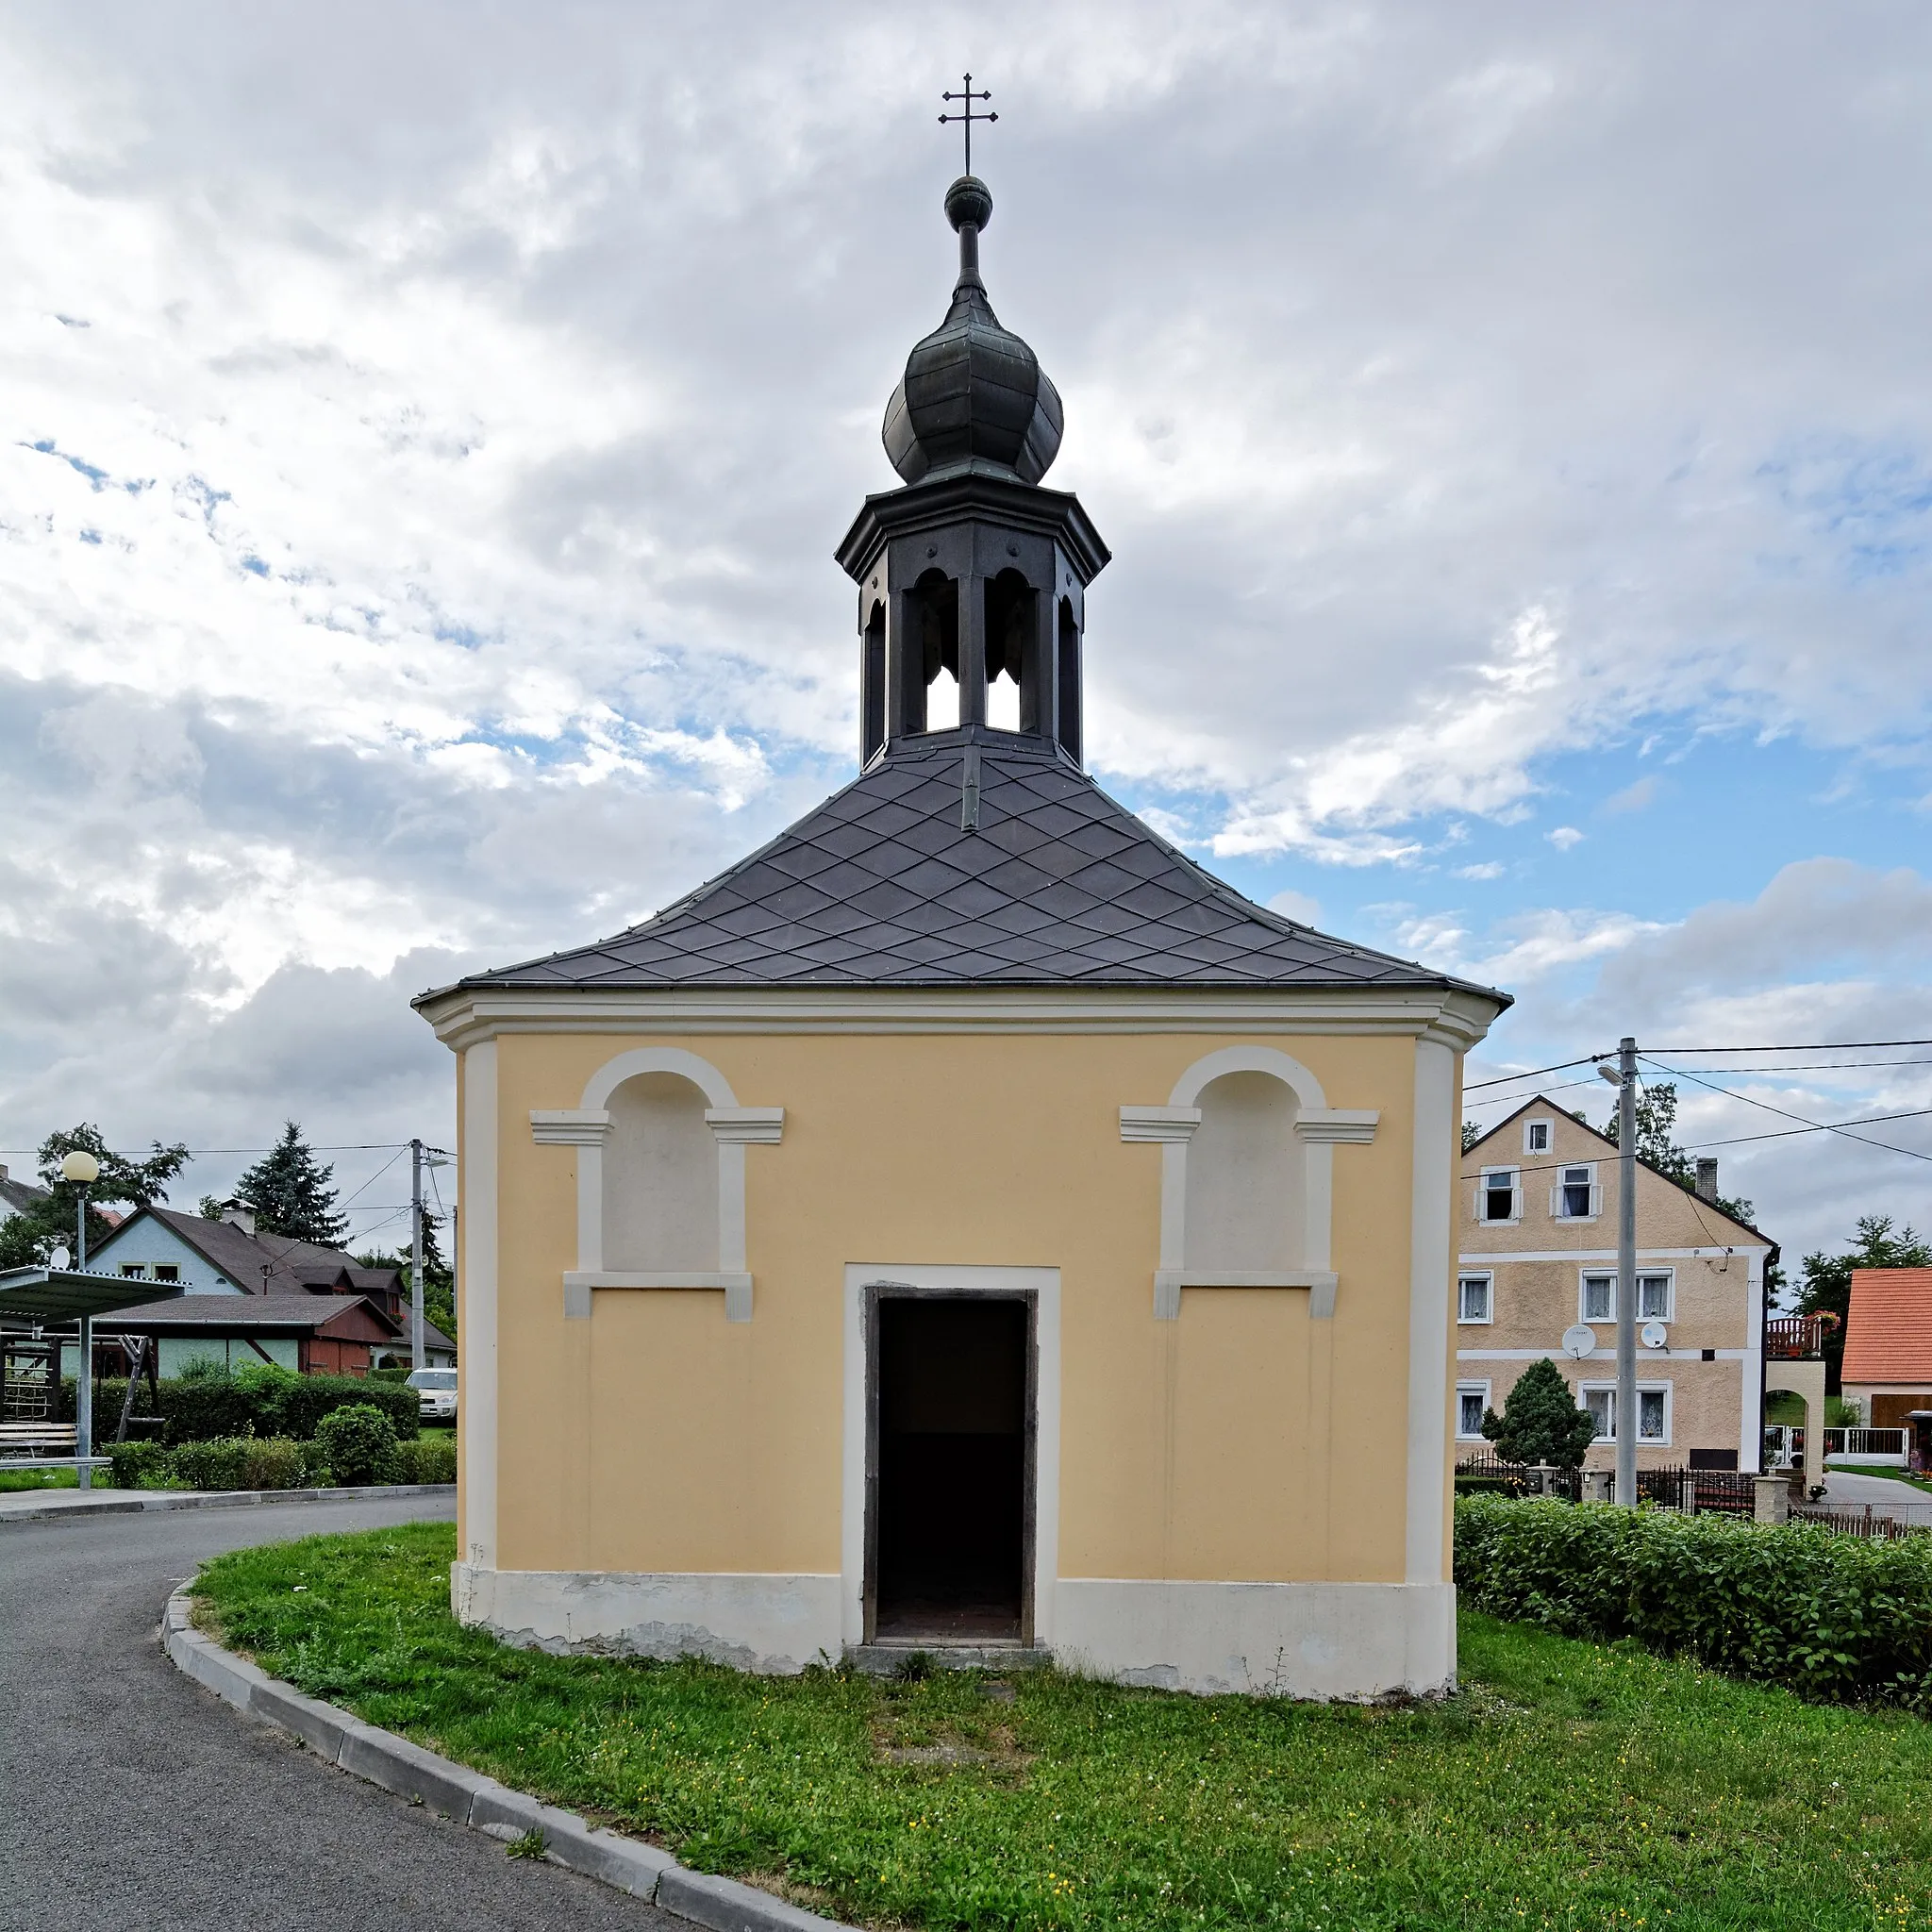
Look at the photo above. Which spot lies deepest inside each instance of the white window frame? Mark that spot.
(1481, 1390)
(1482, 1196)
(1584, 1278)
(1669, 1278)
(1530, 1131)
(1465, 1319)
(1595, 1196)
(1643, 1389)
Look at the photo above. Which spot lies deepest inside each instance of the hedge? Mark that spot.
(263, 1462)
(269, 1402)
(1834, 1618)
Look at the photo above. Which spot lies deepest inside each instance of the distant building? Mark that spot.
(1538, 1257)
(18, 1197)
(1888, 1366)
(229, 1294)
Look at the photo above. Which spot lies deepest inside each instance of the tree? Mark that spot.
(1471, 1134)
(1825, 1286)
(1656, 1145)
(289, 1188)
(439, 1280)
(28, 1238)
(1540, 1421)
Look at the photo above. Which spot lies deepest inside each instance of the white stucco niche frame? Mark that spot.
(587, 1127)
(1319, 1127)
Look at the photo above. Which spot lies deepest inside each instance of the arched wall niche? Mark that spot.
(1247, 1142)
(660, 1140)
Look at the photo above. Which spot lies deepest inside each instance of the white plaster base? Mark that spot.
(1351, 1641)
(775, 1625)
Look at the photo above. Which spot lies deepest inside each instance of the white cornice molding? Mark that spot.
(749, 1127)
(1159, 1124)
(1339, 1127)
(578, 1284)
(569, 1127)
(1168, 1283)
(464, 1015)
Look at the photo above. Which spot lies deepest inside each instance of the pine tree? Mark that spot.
(289, 1188)
(1540, 1421)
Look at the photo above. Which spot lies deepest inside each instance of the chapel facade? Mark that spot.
(965, 1224)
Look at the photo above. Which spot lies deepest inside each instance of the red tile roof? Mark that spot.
(1889, 1333)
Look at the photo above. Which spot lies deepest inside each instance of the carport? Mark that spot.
(51, 1298)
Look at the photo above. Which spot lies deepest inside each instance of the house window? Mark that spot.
(1471, 1400)
(1575, 1195)
(1653, 1297)
(1599, 1303)
(1245, 1186)
(134, 1271)
(167, 1271)
(1652, 1412)
(1472, 1298)
(1536, 1137)
(1496, 1198)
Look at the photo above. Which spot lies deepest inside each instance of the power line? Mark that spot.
(1796, 1066)
(1562, 1066)
(1830, 1127)
(1815, 1126)
(1803, 1046)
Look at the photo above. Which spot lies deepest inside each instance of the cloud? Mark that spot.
(1564, 838)
(1296, 906)
(1633, 797)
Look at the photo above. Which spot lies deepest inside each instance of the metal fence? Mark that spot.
(1865, 1522)
(1870, 1445)
(1524, 1478)
(1725, 1490)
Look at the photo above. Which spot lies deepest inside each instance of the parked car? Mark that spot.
(436, 1392)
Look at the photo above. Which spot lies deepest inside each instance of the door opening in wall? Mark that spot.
(952, 1467)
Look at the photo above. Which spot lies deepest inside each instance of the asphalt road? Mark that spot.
(131, 1798)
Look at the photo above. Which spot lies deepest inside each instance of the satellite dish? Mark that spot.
(59, 1259)
(1655, 1335)
(1579, 1340)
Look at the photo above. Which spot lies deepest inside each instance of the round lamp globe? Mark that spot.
(80, 1167)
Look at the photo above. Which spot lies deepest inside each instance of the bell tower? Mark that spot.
(971, 566)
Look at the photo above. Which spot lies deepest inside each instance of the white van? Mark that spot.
(436, 1392)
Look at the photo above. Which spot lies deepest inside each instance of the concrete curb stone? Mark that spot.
(469, 1797)
(118, 1502)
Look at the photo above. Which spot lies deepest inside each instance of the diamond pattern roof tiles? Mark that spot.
(882, 885)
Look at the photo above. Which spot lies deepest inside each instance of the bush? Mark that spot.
(1540, 1421)
(359, 1445)
(1834, 1618)
(221, 1464)
(135, 1461)
(429, 1459)
(206, 1403)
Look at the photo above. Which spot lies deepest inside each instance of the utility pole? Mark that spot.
(417, 1357)
(1624, 1081)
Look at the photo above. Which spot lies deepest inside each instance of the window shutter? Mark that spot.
(1596, 1200)
(1516, 1203)
(1556, 1204)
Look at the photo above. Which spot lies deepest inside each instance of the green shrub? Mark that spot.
(1485, 1486)
(359, 1445)
(221, 1464)
(429, 1459)
(1540, 1421)
(206, 1403)
(1832, 1617)
(274, 1462)
(132, 1461)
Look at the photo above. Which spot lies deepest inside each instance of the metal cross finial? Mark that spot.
(966, 98)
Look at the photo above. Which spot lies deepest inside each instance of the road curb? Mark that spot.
(123, 1501)
(468, 1797)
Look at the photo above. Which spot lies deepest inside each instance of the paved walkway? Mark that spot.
(135, 1799)
(1845, 1489)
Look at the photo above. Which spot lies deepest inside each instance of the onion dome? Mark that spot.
(974, 398)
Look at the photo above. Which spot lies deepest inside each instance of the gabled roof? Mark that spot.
(1888, 1328)
(291, 1314)
(1542, 1102)
(883, 885)
(292, 1267)
(20, 1196)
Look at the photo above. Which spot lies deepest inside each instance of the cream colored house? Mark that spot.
(965, 1222)
(1537, 1241)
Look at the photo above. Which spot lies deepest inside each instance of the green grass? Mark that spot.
(1566, 1785)
(13, 1480)
(1891, 1475)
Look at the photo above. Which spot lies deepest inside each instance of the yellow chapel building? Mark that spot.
(965, 1224)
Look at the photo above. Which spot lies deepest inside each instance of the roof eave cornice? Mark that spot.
(935, 501)
(1453, 1016)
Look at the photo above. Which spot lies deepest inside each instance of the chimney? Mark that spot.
(1707, 1178)
(239, 1214)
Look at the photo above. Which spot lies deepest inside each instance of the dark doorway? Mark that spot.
(952, 1456)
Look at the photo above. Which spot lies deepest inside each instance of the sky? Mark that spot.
(428, 428)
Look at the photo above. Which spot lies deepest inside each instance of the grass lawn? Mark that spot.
(12, 1479)
(1567, 1784)
(1891, 1475)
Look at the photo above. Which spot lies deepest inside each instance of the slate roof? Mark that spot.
(1889, 1327)
(19, 1195)
(1058, 886)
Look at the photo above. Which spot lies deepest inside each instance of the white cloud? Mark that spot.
(1298, 907)
(1564, 838)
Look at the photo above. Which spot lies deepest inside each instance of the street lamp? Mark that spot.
(83, 1170)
